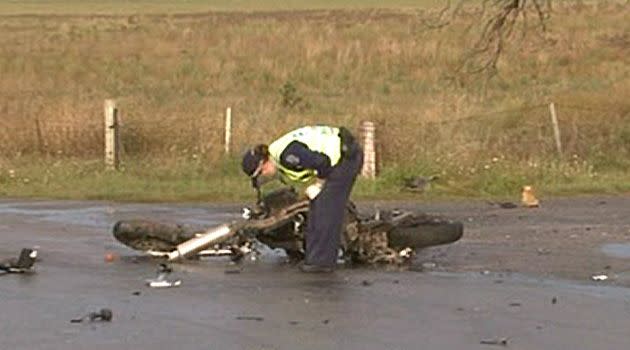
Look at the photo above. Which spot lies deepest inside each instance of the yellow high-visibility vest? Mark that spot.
(323, 139)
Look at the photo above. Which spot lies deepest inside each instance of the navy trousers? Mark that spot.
(327, 210)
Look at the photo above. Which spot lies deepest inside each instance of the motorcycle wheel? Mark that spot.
(146, 235)
(422, 234)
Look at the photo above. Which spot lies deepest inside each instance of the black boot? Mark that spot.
(307, 268)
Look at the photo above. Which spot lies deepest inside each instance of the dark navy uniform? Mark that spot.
(327, 153)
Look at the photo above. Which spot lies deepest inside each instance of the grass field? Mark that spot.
(175, 66)
(90, 7)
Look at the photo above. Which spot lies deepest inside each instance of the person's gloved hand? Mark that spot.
(313, 190)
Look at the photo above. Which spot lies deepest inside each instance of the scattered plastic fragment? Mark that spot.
(161, 281)
(164, 283)
(599, 278)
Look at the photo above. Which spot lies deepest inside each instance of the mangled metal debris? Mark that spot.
(388, 237)
(104, 315)
(22, 264)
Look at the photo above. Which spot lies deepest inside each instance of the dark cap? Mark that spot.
(251, 162)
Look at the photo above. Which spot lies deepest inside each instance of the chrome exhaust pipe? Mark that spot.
(201, 242)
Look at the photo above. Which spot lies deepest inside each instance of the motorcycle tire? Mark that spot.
(144, 235)
(424, 233)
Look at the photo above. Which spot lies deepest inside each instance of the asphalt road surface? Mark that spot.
(521, 276)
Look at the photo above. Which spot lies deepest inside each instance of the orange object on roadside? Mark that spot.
(528, 198)
(109, 257)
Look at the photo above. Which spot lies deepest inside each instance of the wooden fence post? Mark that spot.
(112, 158)
(228, 129)
(556, 128)
(369, 163)
(40, 138)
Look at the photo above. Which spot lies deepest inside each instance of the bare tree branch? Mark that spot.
(444, 17)
(498, 23)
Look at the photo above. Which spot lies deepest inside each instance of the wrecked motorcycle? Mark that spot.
(278, 220)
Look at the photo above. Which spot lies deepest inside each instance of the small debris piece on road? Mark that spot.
(250, 318)
(164, 284)
(554, 301)
(429, 265)
(161, 281)
(22, 264)
(599, 277)
(495, 341)
(366, 283)
(104, 315)
(503, 205)
(528, 198)
(110, 257)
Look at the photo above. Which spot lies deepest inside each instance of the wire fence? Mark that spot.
(521, 132)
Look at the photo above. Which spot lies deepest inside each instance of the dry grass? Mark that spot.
(90, 7)
(174, 75)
